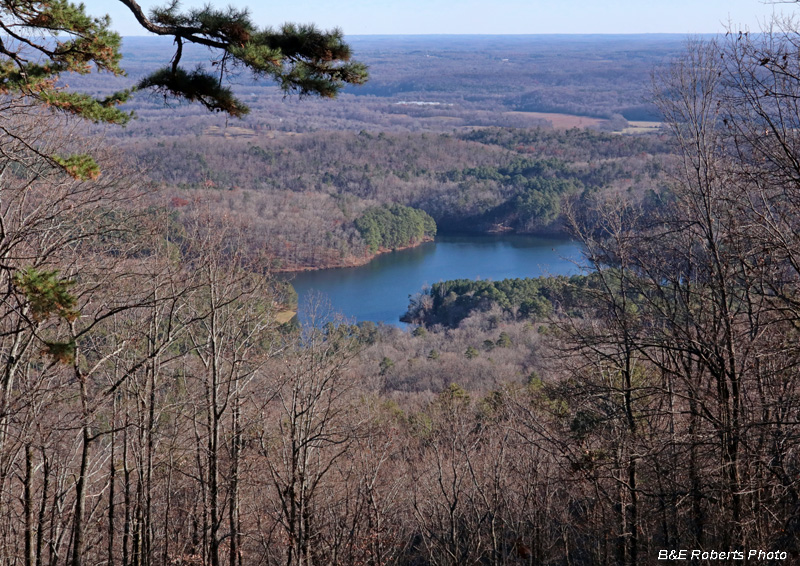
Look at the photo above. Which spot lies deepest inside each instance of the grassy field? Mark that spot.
(642, 127)
(561, 121)
(230, 132)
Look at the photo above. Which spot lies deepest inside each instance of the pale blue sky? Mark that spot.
(357, 17)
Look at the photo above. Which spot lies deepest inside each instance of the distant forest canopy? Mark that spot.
(470, 81)
(299, 195)
(446, 125)
(586, 75)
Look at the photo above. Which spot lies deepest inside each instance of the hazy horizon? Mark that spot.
(503, 17)
(456, 35)
(577, 34)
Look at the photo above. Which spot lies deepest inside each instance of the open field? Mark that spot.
(561, 121)
(642, 127)
(229, 132)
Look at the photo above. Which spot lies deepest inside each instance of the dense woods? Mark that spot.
(156, 409)
(419, 134)
(300, 195)
(449, 302)
(394, 227)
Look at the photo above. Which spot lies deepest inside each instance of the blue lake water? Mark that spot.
(379, 291)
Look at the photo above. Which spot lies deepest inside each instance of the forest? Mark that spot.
(449, 302)
(421, 133)
(394, 227)
(465, 182)
(157, 408)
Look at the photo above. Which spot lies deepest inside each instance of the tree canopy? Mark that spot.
(394, 226)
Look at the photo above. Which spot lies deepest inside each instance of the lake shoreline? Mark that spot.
(379, 291)
(354, 261)
(557, 233)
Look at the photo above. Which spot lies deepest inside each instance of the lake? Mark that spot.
(379, 291)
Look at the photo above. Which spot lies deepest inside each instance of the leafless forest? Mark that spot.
(456, 127)
(155, 411)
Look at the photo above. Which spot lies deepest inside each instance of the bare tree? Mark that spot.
(314, 411)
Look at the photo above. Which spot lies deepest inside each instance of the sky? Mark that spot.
(367, 17)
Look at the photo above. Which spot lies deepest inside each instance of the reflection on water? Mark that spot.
(379, 291)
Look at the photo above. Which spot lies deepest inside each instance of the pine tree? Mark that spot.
(41, 40)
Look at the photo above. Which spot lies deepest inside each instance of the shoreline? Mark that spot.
(354, 261)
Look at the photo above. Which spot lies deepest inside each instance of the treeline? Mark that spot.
(449, 302)
(574, 144)
(300, 195)
(394, 226)
(534, 190)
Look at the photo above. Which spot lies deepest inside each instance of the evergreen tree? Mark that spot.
(392, 226)
(43, 39)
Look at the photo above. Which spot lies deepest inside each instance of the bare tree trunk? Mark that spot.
(80, 486)
(28, 506)
(126, 476)
(112, 485)
(213, 446)
(234, 557)
(147, 527)
(167, 508)
(42, 508)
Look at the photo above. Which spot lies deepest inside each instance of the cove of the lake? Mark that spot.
(379, 291)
